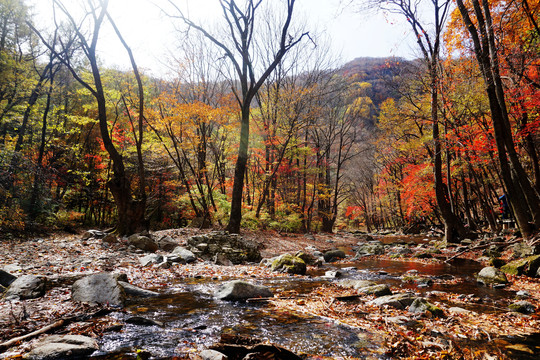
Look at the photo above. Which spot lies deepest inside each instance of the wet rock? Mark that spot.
(167, 243)
(238, 290)
(143, 242)
(372, 248)
(398, 301)
(63, 347)
(134, 291)
(27, 287)
(185, 255)
(522, 307)
(212, 355)
(101, 288)
(334, 255)
(491, 276)
(6, 278)
(150, 259)
(235, 248)
(238, 347)
(289, 264)
(527, 266)
(139, 320)
(420, 306)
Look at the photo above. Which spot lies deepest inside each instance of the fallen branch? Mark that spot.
(483, 246)
(56, 325)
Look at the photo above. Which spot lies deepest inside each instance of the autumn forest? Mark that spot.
(259, 127)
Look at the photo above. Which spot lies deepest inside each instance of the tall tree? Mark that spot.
(239, 47)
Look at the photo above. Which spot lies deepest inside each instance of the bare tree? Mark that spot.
(241, 24)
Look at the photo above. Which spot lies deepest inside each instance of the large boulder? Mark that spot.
(289, 264)
(491, 276)
(527, 266)
(183, 255)
(167, 243)
(372, 248)
(238, 290)
(63, 347)
(6, 278)
(143, 242)
(102, 288)
(334, 255)
(398, 301)
(356, 284)
(222, 245)
(27, 287)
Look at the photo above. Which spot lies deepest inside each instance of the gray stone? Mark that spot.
(110, 239)
(97, 234)
(491, 276)
(232, 246)
(398, 301)
(356, 284)
(399, 251)
(27, 287)
(212, 355)
(307, 258)
(184, 254)
(522, 294)
(12, 268)
(167, 243)
(289, 264)
(521, 250)
(99, 289)
(150, 259)
(460, 311)
(134, 291)
(6, 278)
(523, 307)
(373, 248)
(143, 242)
(333, 274)
(63, 347)
(377, 290)
(334, 255)
(240, 290)
(420, 306)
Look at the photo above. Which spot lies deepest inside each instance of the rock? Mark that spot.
(460, 311)
(97, 234)
(333, 274)
(6, 278)
(289, 264)
(399, 251)
(307, 258)
(334, 255)
(521, 250)
(134, 291)
(466, 242)
(356, 284)
(27, 287)
(99, 288)
(492, 252)
(63, 347)
(212, 355)
(139, 320)
(422, 305)
(527, 266)
(523, 307)
(240, 290)
(232, 246)
(377, 290)
(185, 255)
(150, 259)
(12, 268)
(110, 239)
(167, 243)
(491, 276)
(364, 237)
(373, 248)
(398, 301)
(143, 242)
(522, 294)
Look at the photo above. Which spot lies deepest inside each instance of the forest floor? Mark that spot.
(496, 334)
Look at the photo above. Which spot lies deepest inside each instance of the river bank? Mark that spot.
(475, 321)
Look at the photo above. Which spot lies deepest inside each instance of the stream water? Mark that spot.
(193, 319)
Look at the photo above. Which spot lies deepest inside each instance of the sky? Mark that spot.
(150, 33)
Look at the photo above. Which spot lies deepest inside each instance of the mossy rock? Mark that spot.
(527, 266)
(289, 264)
(491, 276)
(422, 305)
